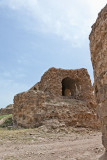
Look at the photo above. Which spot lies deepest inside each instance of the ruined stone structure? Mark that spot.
(98, 47)
(7, 110)
(62, 95)
(60, 82)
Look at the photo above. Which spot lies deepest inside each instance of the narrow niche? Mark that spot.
(69, 87)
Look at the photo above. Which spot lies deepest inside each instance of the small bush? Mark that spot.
(8, 121)
(3, 116)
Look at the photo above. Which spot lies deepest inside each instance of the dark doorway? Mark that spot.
(68, 87)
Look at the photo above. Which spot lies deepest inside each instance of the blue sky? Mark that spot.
(38, 34)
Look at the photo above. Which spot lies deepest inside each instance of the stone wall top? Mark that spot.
(60, 82)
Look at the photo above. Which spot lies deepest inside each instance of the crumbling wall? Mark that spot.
(81, 88)
(7, 110)
(98, 47)
(26, 106)
(4, 111)
(45, 101)
(34, 108)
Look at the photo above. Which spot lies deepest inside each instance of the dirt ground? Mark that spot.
(48, 144)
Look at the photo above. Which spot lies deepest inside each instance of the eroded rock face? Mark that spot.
(98, 47)
(65, 96)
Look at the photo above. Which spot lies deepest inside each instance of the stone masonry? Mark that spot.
(65, 96)
(60, 82)
(7, 110)
(98, 47)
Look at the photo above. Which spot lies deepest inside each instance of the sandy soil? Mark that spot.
(44, 144)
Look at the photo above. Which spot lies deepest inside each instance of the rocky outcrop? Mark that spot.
(62, 95)
(98, 47)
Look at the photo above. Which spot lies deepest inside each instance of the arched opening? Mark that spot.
(69, 87)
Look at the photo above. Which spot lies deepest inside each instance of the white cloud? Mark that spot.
(71, 20)
(96, 5)
(18, 4)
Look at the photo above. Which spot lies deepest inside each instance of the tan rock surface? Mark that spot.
(98, 47)
(63, 95)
